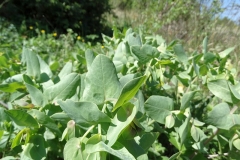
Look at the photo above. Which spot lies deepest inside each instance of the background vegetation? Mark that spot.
(46, 44)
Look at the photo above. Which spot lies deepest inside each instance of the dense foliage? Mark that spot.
(135, 97)
(83, 16)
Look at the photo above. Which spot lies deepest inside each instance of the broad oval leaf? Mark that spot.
(72, 150)
(158, 108)
(133, 39)
(220, 88)
(170, 121)
(89, 55)
(44, 68)
(32, 62)
(121, 120)
(236, 141)
(67, 69)
(180, 53)
(36, 95)
(184, 130)
(101, 81)
(186, 99)
(83, 113)
(35, 149)
(129, 90)
(222, 118)
(22, 118)
(144, 53)
(64, 89)
(45, 120)
(117, 150)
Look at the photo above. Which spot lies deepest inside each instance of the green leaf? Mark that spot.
(3, 61)
(89, 55)
(83, 113)
(27, 79)
(44, 68)
(9, 158)
(129, 90)
(132, 146)
(184, 130)
(17, 140)
(45, 120)
(133, 39)
(198, 134)
(144, 53)
(203, 70)
(66, 70)
(95, 155)
(3, 115)
(63, 117)
(4, 141)
(11, 87)
(147, 140)
(226, 52)
(170, 121)
(22, 118)
(220, 88)
(158, 108)
(73, 150)
(117, 150)
(64, 89)
(175, 156)
(205, 42)
(32, 62)
(186, 99)
(15, 78)
(195, 133)
(221, 117)
(180, 53)
(209, 57)
(36, 96)
(235, 94)
(236, 141)
(101, 82)
(121, 120)
(35, 149)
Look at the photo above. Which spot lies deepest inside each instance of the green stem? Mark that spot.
(86, 133)
(148, 69)
(99, 125)
(151, 122)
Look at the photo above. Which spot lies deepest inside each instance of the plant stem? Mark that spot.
(151, 122)
(99, 125)
(86, 133)
(4, 104)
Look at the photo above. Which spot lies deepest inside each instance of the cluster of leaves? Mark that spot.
(84, 16)
(142, 99)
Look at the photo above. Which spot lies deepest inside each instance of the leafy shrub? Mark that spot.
(84, 16)
(143, 99)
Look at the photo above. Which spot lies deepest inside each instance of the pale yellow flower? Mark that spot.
(42, 31)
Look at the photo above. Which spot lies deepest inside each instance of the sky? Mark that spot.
(233, 14)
